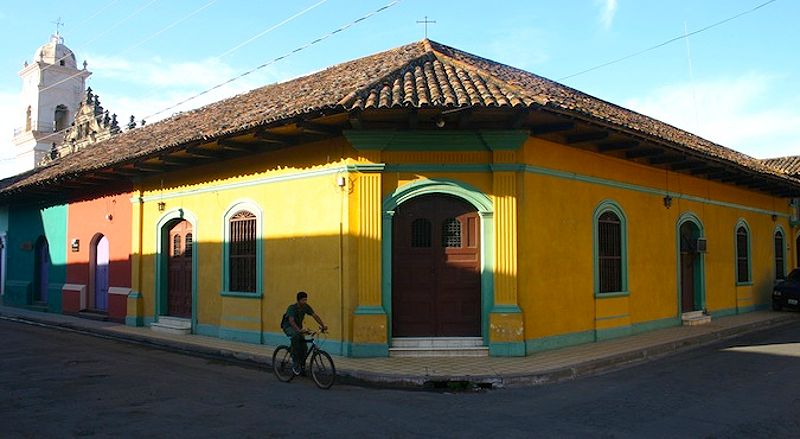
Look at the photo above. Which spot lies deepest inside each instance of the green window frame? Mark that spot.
(242, 254)
(610, 250)
(742, 248)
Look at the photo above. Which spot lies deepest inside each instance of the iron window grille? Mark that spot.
(451, 233)
(176, 246)
(609, 228)
(742, 256)
(242, 255)
(421, 233)
(779, 257)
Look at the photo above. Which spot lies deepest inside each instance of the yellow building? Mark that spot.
(429, 199)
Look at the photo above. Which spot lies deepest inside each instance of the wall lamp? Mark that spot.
(667, 201)
(161, 206)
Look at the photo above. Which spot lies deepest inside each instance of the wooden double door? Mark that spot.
(436, 278)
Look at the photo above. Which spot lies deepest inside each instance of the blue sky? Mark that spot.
(146, 55)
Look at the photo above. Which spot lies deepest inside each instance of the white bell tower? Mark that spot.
(52, 90)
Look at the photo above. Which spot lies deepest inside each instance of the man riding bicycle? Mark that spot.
(292, 325)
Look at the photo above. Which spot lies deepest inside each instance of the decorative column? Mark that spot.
(506, 323)
(370, 331)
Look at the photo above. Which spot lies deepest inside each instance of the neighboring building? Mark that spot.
(422, 196)
(52, 89)
(789, 165)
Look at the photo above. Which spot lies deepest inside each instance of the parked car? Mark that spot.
(787, 293)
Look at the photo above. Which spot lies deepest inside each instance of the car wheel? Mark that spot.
(776, 306)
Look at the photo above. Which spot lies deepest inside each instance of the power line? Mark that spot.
(273, 61)
(671, 40)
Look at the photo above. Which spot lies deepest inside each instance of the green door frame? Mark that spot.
(700, 274)
(161, 269)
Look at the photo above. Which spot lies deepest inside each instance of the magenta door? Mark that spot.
(101, 275)
(43, 270)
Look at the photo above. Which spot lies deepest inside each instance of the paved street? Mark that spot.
(62, 384)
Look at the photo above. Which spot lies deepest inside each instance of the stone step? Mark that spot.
(172, 325)
(695, 318)
(94, 315)
(439, 352)
(436, 342)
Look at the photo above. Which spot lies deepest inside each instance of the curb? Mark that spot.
(370, 379)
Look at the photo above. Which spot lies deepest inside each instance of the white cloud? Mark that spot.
(608, 9)
(742, 113)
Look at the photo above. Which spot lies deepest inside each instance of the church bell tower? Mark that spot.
(52, 89)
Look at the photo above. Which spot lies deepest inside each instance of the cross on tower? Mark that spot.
(426, 22)
(58, 24)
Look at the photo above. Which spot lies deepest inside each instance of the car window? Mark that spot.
(794, 275)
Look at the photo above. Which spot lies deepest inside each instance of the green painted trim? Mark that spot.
(507, 167)
(507, 349)
(653, 325)
(612, 206)
(742, 223)
(161, 261)
(612, 294)
(367, 350)
(234, 208)
(134, 321)
(243, 184)
(700, 271)
(748, 308)
(440, 140)
(618, 316)
(368, 168)
(779, 229)
(440, 167)
(617, 332)
(241, 295)
(240, 335)
(505, 309)
(645, 189)
(724, 313)
(207, 330)
(369, 310)
(479, 200)
(558, 341)
(134, 295)
(744, 284)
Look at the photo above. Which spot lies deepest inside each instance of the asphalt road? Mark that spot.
(61, 384)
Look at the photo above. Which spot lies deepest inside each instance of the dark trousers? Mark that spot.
(298, 346)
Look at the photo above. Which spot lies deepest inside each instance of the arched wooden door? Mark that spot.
(436, 278)
(690, 267)
(42, 270)
(101, 274)
(179, 270)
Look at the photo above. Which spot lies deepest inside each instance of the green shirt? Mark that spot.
(298, 313)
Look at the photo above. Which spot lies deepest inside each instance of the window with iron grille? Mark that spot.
(742, 255)
(421, 233)
(451, 233)
(779, 270)
(187, 244)
(176, 246)
(242, 253)
(609, 252)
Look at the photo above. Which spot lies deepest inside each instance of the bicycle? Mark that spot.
(320, 363)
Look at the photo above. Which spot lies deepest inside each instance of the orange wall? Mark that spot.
(110, 216)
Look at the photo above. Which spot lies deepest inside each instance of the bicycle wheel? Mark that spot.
(322, 370)
(282, 363)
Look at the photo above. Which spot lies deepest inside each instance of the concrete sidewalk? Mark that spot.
(541, 367)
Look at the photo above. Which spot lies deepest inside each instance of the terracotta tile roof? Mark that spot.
(423, 74)
(788, 165)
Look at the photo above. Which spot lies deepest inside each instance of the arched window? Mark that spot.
(742, 254)
(60, 118)
(609, 229)
(242, 250)
(451, 233)
(187, 251)
(421, 233)
(780, 264)
(610, 251)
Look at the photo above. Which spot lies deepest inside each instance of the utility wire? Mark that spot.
(273, 61)
(672, 40)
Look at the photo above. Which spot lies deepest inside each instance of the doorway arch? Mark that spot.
(99, 260)
(478, 202)
(181, 273)
(690, 264)
(42, 270)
